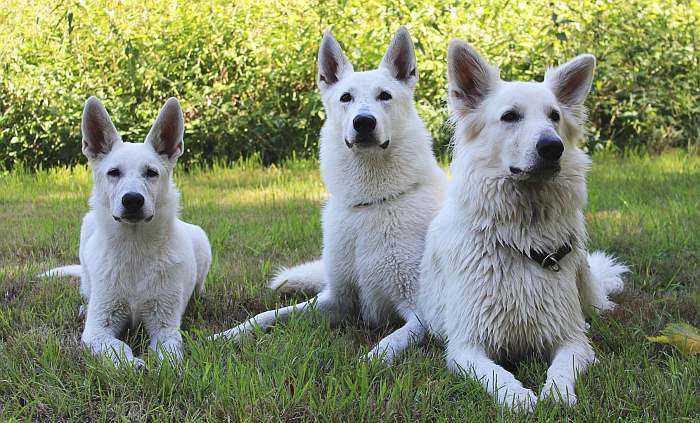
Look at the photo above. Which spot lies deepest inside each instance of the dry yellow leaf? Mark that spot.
(682, 336)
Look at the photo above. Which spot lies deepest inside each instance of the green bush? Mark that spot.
(244, 69)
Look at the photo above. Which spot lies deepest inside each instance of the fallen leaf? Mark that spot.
(682, 336)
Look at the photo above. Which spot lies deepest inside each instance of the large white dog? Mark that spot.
(506, 273)
(386, 187)
(138, 262)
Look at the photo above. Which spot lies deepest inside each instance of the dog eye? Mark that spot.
(151, 173)
(115, 173)
(510, 116)
(384, 96)
(554, 115)
(346, 98)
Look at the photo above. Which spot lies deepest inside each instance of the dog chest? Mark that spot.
(137, 283)
(512, 306)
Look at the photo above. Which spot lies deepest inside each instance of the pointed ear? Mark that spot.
(470, 77)
(166, 134)
(99, 133)
(400, 58)
(332, 63)
(572, 81)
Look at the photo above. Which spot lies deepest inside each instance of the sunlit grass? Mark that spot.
(643, 209)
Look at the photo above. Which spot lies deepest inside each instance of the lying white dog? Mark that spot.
(506, 273)
(138, 262)
(386, 187)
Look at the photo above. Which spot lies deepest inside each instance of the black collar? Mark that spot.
(549, 260)
(385, 199)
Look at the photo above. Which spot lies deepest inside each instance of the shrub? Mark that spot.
(244, 70)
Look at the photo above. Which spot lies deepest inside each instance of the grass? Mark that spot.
(643, 209)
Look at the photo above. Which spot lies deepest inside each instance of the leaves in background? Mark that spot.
(245, 70)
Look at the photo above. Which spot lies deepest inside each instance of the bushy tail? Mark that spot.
(74, 270)
(606, 279)
(306, 278)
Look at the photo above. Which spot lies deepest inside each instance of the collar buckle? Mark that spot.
(550, 262)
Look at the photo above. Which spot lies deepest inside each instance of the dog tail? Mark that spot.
(606, 279)
(307, 278)
(74, 270)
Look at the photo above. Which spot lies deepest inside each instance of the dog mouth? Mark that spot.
(541, 171)
(367, 142)
(132, 218)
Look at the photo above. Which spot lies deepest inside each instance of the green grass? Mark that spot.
(643, 209)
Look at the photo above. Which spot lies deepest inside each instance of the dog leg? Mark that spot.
(100, 335)
(570, 359)
(325, 303)
(498, 382)
(161, 318)
(398, 341)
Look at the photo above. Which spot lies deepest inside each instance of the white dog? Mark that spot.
(386, 187)
(506, 273)
(139, 262)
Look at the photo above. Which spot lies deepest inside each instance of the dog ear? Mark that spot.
(400, 58)
(469, 76)
(99, 133)
(166, 134)
(572, 81)
(332, 63)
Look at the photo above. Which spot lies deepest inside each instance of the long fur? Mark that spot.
(478, 289)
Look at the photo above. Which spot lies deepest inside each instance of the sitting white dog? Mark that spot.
(138, 262)
(506, 273)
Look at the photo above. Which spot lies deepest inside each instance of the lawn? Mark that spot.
(645, 209)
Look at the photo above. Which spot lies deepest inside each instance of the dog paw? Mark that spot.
(138, 363)
(133, 363)
(563, 395)
(172, 356)
(517, 398)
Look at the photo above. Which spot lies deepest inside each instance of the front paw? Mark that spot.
(564, 394)
(137, 363)
(173, 355)
(134, 363)
(517, 398)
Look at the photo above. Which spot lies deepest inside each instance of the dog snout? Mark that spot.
(364, 124)
(132, 202)
(550, 148)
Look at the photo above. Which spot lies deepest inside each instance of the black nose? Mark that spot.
(550, 148)
(364, 123)
(132, 201)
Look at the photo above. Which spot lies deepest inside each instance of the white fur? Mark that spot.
(136, 269)
(477, 289)
(371, 253)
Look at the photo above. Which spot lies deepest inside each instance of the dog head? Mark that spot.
(366, 106)
(524, 130)
(132, 179)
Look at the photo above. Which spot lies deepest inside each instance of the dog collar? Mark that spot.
(384, 200)
(549, 260)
